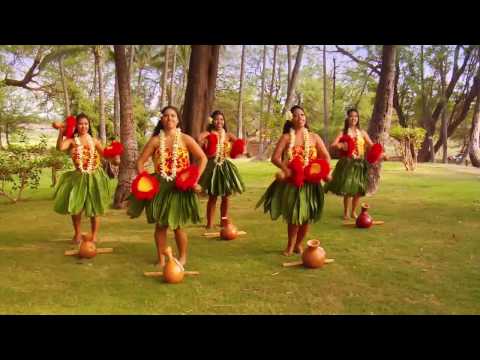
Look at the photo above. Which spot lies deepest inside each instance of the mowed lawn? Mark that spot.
(425, 259)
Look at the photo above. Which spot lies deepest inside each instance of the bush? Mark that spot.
(21, 166)
(409, 142)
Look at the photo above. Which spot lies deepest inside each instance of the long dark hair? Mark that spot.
(289, 123)
(159, 125)
(83, 116)
(345, 126)
(211, 127)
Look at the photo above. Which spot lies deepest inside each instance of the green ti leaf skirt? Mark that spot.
(349, 178)
(170, 206)
(297, 206)
(221, 180)
(76, 192)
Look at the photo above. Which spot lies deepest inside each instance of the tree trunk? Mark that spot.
(163, 99)
(201, 84)
(127, 171)
(138, 90)
(445, 136)
(396, 100)
(131, 57)
(289, 68)
(212, 77)
(171, 94)
(262, 120)
(474, 148)
(269, 105)
(294, 79)
(333, 91)
(65, 88)
(325, 109)
(101, 96)
(240, 96)
(382, 111)
(6, 135)
(1, 143)
(116, 110)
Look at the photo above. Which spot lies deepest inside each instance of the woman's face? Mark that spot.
(219, 122)
(299, 120)
(353, 118)
(169, 119)
(82, 126)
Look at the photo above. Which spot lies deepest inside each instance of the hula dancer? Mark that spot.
(221, 176)
(350, 177)
(297, 193)
(168, 196)
(85, 189)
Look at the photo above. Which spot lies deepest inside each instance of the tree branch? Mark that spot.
(375, 69)
(29, 75)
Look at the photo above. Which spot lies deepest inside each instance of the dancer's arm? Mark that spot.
(148, 151)
(277, 154)
(98, 146)
(336, 144)
(202, 138)
(367, 138)
(196, 151)
(231, 137)
(63, 145)
(321, 148)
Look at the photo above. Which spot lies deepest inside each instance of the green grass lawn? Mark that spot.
(424, 260)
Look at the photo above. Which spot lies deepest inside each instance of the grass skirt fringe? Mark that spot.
(350, 177)
(221, 180)
(170, 206)
(296, 205)
(78, 191)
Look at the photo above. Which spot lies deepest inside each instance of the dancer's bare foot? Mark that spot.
(160, 262)
(208, 227)
(288, 251)
(345, 217)
(76, 240)
(94, 240)
(353, 216)
(298, 249)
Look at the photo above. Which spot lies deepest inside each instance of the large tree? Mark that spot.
(382, 111)
(201, 84)
(127, 170)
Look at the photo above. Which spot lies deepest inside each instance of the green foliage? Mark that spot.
(56, 159)
(21, 166)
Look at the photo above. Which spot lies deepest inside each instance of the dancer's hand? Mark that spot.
(197, 188)
(115, 160)
(329, 178)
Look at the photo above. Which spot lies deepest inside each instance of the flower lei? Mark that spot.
(220, 154)
(163, 173)
(79, 154)
(306, 142)
(355, 151)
